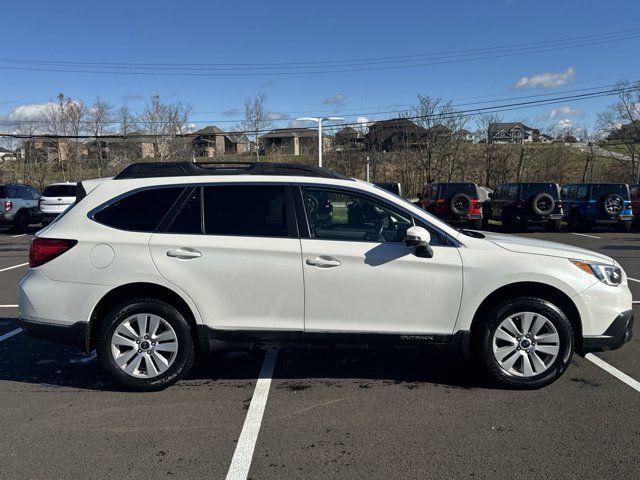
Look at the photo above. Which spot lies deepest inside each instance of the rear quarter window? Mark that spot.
(141, 211)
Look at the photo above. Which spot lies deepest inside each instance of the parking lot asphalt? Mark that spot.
(330, 413)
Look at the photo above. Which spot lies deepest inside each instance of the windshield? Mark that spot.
(60, 191)
(531, 189)
(449, 189)
(601, 189)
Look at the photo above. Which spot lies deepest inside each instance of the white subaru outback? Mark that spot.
(168, 258)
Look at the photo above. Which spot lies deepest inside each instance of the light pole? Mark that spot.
(319, 120)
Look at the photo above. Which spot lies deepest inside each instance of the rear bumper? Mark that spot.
(75, 334)
(618, 333)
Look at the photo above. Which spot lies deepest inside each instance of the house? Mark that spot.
(516, 132)
(465, 135)
(293, 141)
(349, 138)
(211, 141)
(394, 134)
(6, 154)
(132, 146)
(629, 132)
(52, 149)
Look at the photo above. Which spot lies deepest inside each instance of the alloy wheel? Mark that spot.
(144, 345)
(525, 344)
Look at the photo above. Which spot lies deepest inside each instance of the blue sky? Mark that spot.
(296, 31)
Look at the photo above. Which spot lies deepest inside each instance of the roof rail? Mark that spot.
(180, 169)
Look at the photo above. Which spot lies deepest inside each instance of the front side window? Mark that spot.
(141, 211)
(245, 210)
(513, 192)
(337, 215)
(583, 192)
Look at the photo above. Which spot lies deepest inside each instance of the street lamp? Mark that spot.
(319, 120)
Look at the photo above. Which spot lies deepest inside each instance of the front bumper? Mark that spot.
(76, 334)
(618, 333)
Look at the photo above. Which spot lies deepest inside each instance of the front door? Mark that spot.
(360, 277)
(236, 253)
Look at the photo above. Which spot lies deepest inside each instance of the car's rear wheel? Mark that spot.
(624, 226)
(524, 342)
(554, 225)
(476, 224)
(145, 344)
(21, 221)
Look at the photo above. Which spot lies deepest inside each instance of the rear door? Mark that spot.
(234, 249)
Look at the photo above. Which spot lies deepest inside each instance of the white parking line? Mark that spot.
(15, 266)
(585, 235)
(623, 377)
(8, 306)
(241, 462)
(16, 236)
(633, 279)
(10, 334)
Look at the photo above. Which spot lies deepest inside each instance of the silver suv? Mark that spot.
(19, 205)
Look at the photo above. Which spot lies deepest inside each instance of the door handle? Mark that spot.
(323, 262)
(184, 253)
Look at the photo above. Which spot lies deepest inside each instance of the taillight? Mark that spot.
(43, 250)
(559, 204)
(8, 206)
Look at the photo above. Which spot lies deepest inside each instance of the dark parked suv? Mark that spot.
(589, 203)
(517, 204)
(454, 202)
(19, 205)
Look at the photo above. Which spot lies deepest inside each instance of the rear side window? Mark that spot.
(245, 210)
(188, 219)
(140, 211)
(60, 191)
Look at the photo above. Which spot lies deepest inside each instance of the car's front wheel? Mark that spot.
(145, 344)
(524, 342)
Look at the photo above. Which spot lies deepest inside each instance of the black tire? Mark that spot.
(543, 204)
(476, 224)
(554, 225)
(21, 221)
(459, 204)
(185, 353)
(612, 204)
(624, 226)
(483, 343)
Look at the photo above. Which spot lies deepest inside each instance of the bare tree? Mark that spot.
(65, 120)
(99, 120)
(256, 119)
(621, 122)
(439, 120)
(484, 124)
(167, 123)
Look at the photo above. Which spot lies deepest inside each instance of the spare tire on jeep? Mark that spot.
(459, 204)
(612, 204)
(543, 204)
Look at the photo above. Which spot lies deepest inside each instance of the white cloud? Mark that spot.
(337, 100)
(565, 111)
(363, 123)
(232, 112)
(276, 116)
(34, 111)
(546, 80)
(563, 125)
(301, 124)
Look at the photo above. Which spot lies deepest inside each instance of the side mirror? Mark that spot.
(419, 195)
(490, 195)
(419, 238)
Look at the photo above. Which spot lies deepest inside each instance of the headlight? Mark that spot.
(608, 274)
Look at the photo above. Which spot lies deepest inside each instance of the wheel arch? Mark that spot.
(531, 289)
(139, 289)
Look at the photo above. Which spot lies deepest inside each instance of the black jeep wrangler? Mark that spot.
(517, 204)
